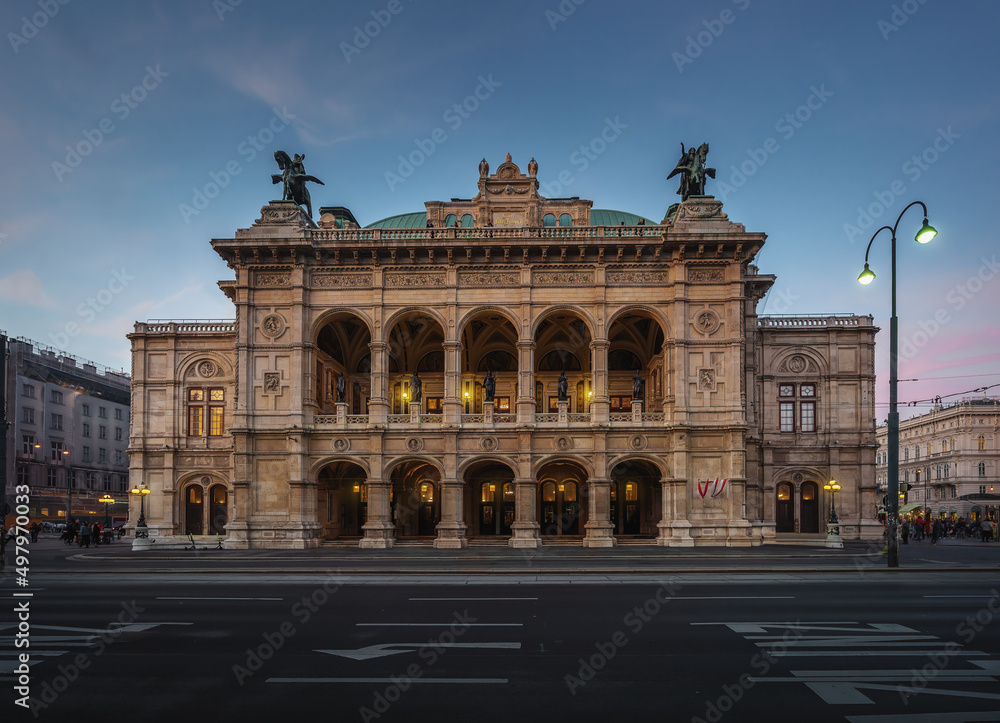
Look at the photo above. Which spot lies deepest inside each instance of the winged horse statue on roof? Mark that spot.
(293, 179)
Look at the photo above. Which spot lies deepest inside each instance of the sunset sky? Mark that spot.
(135, 132)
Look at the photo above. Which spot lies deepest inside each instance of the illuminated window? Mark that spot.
(214, 412)
(982, 442)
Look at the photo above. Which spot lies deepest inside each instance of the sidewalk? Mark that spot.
(49, 554)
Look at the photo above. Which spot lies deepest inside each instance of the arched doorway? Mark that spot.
(784, 508)
(218, 509)
(416, 347)
(193, 509)
(489, 345)
(635, 493)
(342, 500)
(414, 499)
(426, 517)
(809, 508)
(493, 497)
(560, 499)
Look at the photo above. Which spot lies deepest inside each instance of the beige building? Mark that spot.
(635, 392)
(949, 458)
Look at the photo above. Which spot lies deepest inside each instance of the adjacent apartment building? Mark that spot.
(68, 434)
(949, 458)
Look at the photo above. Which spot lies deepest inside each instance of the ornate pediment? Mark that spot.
(797, 364)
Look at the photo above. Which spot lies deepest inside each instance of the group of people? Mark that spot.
(83, 533)
(959, 529)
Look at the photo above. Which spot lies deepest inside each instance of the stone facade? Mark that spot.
(240, 427)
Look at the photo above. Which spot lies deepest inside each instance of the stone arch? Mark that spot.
(654, 312)
(194, 358)
(655, 460)
(475, 460)
(331, 312)
(822, 367)
(469, 315)
(557, 457)
(586, 316)
(317, 466)
(399, 314)
(194, 504)
(390, 465)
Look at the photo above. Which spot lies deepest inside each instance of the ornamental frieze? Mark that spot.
(341, 281)
(413, 278)
(562, 278)
(489, 278)
(622, 277)
(706, 275)
(273, 280)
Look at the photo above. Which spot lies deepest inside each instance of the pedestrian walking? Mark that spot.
(987, 530)
(906, 532)
(85, 535)
(935, 530)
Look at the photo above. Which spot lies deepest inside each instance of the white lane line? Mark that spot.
(220, 598)
(445, 681)
(438, 625)
(975, 596)
(733, 597)
(471, 598)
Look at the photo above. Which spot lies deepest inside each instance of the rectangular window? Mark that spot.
(86, 454)
(86, 429)
(56, 422)
(102, 412)
(57, 397)
(196, 421)
(28, 445)
(621, 404)
(90, 480)
(196, 395)
(118, 414)
(808, 416)
(434, 405)
(57, 450)
(28, 390)
(503, 405)
(119, 457)
(102, 432)
(107, 482)
(51, 477)
(22, 475)
(86, 410)
(118, 434)
(28, 415)
(553, 405)
(808, 390)
(102, 456)
(786, 390)
(216, 395)
(787, 417)
(216, 416)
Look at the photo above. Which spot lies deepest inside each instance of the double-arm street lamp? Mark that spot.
(107, 500)
(833, 487)
(924, 235)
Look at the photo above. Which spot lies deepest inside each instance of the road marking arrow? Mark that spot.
(385, 649)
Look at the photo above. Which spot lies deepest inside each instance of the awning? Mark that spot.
(910, 506)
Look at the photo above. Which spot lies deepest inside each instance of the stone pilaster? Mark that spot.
(525, 528)
(600, 531)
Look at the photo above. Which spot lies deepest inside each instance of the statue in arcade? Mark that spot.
(341, 388)
(562, 387)
(416, 387)
(489, 386)
(637, 385)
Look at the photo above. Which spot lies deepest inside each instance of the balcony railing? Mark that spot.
(562, 233)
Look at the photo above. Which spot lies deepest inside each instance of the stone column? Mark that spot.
(451, 528)
(378, 402)
(379, 531)
(675, 530)
(451, 405)
(600, 531)
(526, 382)
(599, 403)
(525, 528)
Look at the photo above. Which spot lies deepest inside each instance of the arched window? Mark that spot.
(193, 509)
(565, 220)
(449, 220)
(952, 444)
(946, 471)
(916, 451)
(982, 443)
(219, 513)
(906, 453)
(467, 221)
(982, 469)
(549, 219)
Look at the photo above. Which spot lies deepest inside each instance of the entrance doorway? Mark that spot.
(496, 508)
(218, 511)
(194, 501)
(784, 510)
(426, 521)
(560, 508)
(809, 520)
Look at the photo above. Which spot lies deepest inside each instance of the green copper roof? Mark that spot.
(403, 220)
(605, 217)
(598, 217)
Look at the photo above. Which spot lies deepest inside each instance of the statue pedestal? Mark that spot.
(342, 414)
(415, 413)
(488, 413)
(564, 412)
(637, 411)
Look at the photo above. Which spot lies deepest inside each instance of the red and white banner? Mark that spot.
(715, 487)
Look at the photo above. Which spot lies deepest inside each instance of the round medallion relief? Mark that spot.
(272, 325)
(797, 364)
(637, 441)
(563, 444)
(707, 321)
(341, 445)
(206, 369)
(414, 444)
(488, 444)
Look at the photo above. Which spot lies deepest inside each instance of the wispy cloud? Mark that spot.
(25, 287)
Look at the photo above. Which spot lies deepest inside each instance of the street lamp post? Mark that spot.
(924, 235)
(140, 528)
(107, 500)
(833, 488)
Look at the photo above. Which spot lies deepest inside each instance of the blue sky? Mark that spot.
(119, 116)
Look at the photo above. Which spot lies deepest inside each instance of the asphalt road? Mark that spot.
(683, 647)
